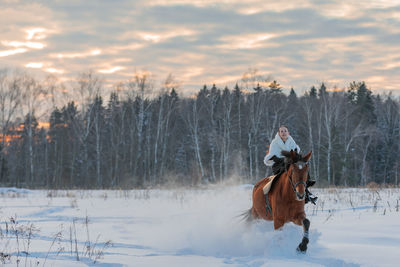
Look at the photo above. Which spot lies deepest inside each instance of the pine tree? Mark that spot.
(313, 92)
(359, 95)
(322, 90)
(275, 87)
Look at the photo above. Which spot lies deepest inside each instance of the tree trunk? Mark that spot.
(159, 125)
(98, 153)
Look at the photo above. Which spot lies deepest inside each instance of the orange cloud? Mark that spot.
(12, 52)
(112, 70)
(36, 33)
(156, 37)
(117, 49)
(34, 65)
(54, 70)
(391, 65)
(94, 52)
(34, 45)
(249, 41)
(192, 72)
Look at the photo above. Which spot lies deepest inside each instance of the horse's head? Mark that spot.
(297, 171)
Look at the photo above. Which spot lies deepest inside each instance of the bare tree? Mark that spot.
(140, 87)
(331, 114)
(256, 111)
(10, 99)
(192, 121)
(163, 120)
(227, 104)
(31, 94)
(364, 152)
(252, 78)
(388, 115)
(351, 134)
(253, 81)
(308, 106)
(116, 121)
(89, 87)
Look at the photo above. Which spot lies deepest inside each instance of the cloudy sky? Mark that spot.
(299, 43)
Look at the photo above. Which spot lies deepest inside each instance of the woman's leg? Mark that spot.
(309, 195)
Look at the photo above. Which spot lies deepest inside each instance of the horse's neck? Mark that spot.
(286, 188)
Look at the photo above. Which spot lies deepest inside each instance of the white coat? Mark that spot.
(276, 147)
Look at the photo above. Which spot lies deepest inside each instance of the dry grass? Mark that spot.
(16, 241)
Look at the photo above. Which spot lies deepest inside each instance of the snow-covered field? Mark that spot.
(349, 227)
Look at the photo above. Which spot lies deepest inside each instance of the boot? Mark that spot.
(310, 182)
(310, 197)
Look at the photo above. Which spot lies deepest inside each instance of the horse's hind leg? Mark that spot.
(303, 245)
(259, 204)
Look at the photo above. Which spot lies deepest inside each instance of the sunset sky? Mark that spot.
(299, 43)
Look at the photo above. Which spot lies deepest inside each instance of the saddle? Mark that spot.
(272, 179)
(267, 187)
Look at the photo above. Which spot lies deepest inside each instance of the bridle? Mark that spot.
(294, 186)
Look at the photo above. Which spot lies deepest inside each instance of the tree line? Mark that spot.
(136, 140)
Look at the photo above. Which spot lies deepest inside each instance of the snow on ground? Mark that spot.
(349, 227)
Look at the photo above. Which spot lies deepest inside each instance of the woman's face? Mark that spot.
(284, 133)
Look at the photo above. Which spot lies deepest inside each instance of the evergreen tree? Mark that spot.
(322, 90)
(275, 87)
(361, 96)
(258, 88)
(313, 92)
(290, 112)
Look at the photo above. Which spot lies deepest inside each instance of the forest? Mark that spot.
(141, 135)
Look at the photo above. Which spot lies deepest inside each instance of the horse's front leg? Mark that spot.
(303, 245)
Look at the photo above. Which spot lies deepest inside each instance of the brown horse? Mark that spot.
(286, 196)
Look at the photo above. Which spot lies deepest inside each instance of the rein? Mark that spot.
(291, 182)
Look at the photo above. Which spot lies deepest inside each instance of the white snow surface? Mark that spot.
(193, 227)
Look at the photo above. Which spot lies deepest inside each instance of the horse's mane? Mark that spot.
(292, 156)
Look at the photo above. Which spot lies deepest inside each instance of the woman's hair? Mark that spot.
(282, 125)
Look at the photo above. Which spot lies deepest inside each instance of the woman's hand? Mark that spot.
(276, 159)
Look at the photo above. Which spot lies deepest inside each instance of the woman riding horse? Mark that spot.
(286, 196)
(283, 141)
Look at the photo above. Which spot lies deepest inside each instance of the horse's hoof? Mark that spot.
(302, 248)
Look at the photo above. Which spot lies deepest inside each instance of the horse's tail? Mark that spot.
(246, 216)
